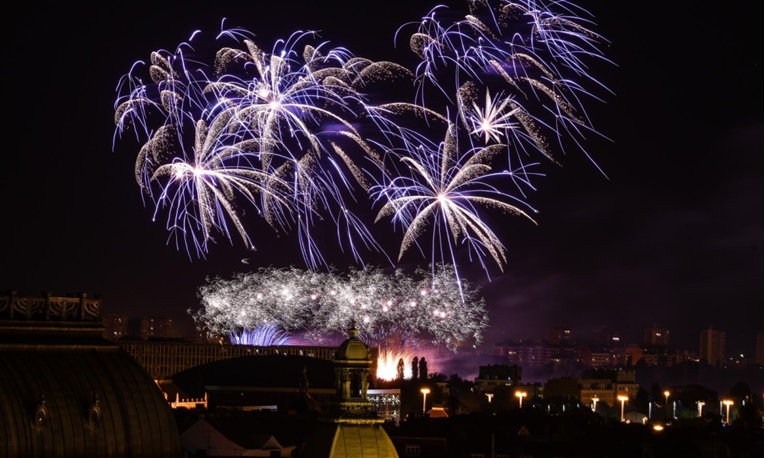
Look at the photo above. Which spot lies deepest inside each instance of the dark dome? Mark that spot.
(274, 371)
(65, 391)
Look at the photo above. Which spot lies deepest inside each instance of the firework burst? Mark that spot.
(390, 310)
(255, 129)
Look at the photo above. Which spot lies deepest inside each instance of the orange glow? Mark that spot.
(387, 364)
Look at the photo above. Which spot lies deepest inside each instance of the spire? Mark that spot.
(353, 331)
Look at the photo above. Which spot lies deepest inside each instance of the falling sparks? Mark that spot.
(387, 364)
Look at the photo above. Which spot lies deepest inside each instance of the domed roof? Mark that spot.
(352, 348)
(65, 391)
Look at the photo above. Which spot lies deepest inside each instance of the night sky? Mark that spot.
(674, 235)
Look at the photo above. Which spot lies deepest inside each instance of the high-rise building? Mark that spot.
(115, 326)
(145, 328)
(558, 335)
(656, 335)
(712, 346)
(606, 335)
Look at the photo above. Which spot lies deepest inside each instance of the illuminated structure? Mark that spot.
(604, 385)
(351, 429)
(66, 391)
(712, 346)
(492, 377)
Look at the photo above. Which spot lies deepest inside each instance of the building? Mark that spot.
(66, 391)
(606, 335)
(712, 346)
(153, 327)
(226, 437)
(558, 335)
(162, 358)
(527, 353)
(656, 335)
(115, 326)
(603, 385)
(493, 376)
(602, 355)
(351, 428)
(606, 386)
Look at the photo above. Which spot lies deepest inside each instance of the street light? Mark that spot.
(424, 392)
(520, 395)
(623, 399)
(727, 403)
(489, 395)
(666, 397)
(595, 400)
(701, 406)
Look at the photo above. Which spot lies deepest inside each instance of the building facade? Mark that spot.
(712, 346)
(656, 335)
(164, 358)
(115, 326)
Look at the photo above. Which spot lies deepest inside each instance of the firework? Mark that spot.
(291, 134)
(390, 310)
(387, 363)
(266, 335)
(254, 129)
(444, 190)
(536, 54)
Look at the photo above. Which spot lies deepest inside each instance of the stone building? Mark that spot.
(351, 428)
(66, 391)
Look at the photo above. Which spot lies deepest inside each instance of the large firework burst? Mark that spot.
(390, 310)
(254, 129)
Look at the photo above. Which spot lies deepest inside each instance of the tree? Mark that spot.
(740, 391)
(423, 369)
(400, 369)
(415, 365)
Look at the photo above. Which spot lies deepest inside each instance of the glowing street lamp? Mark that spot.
(666, 397)
(489, 395)
(520, 395)
(727, 403)
(623, 399)
(701, 406)
(595, 400)
(424, 392)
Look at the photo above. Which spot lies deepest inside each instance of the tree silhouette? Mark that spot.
(400, 369)
(415, 365)
(423, 369)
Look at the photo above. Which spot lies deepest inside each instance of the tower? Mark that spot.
(351, 428)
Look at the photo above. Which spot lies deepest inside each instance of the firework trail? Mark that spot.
(291, 134)
(255, 129)
(444, 190)
(391, 310)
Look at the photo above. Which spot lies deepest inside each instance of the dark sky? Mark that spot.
(674, 235)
